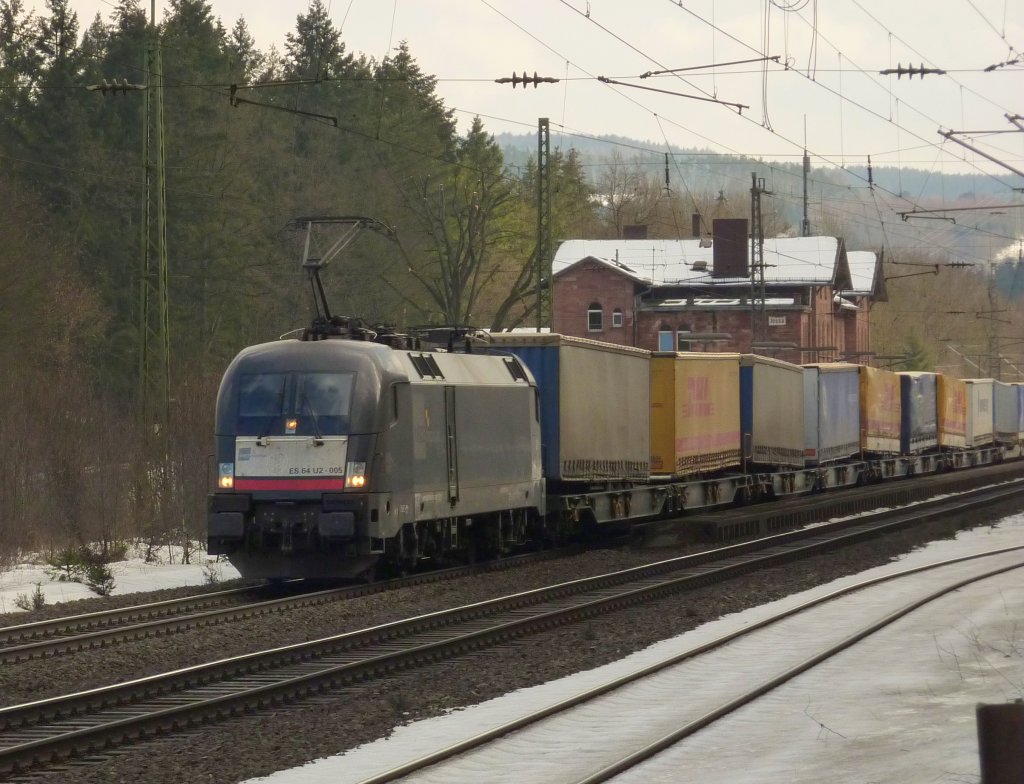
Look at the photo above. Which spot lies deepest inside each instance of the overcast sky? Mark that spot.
(832, 88)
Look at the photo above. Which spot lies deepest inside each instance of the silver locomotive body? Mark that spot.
(336, 454)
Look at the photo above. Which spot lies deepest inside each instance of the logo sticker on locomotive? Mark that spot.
(291, 456)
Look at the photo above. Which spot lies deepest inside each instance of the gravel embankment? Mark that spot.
(257, 745)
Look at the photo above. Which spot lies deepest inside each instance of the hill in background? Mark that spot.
(919, 185)
(841, 201)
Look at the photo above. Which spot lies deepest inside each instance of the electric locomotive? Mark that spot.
(334, 454)
(349, 447)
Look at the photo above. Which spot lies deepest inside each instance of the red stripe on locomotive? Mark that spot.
(337, 483)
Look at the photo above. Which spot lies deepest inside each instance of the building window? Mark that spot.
(665, 338)
(617, 318)
(595, 318)
(682, 344)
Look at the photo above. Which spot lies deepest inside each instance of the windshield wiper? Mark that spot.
(271, 419)
(319, 440)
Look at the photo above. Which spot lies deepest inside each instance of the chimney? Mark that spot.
(695, 224)
(731, 248)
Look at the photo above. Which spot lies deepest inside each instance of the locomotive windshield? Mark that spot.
(315, 404)
(262, 396)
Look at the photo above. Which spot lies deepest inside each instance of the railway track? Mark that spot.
(109, 627)
(603, 724)
(69, 634)
(52, 730)
(43, 636)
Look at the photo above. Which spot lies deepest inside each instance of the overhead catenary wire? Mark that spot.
(817, 34)
(827, 162)
(930, 244)
(592, 77)
(882, 222)
(520, 28)
(697, 134)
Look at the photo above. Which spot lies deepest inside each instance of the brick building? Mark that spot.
(683, 295)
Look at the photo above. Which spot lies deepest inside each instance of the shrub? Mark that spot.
(83, 565)
(69, 563)
(115, 551)
(99, 579)
(33, 601)
(212, 573)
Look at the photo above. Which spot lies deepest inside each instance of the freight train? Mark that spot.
(338, 455)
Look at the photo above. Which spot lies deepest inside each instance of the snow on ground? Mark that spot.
(903, 702)
(916, 714)
(132, 575)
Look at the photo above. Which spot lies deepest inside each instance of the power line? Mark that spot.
(217, 90)
(819, 84)
(742, 160)
(985, 19)
(878, 22)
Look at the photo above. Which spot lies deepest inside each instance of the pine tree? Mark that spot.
(315, 50)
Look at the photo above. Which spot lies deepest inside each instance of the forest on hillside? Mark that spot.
(253, 140)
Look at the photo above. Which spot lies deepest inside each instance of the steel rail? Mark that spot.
(113, 715)
(669, 740)
(71, 624)
(110, 627)
(589, 695)
(88, 631)
(105, 637)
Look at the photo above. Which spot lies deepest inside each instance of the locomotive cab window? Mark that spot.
(318, 403)
(261, 402)
(322, 402)
(595, 318)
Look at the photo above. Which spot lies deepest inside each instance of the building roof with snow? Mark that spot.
(814, 261)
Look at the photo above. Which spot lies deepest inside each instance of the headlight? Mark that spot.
(355, 475)
(226, 476)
